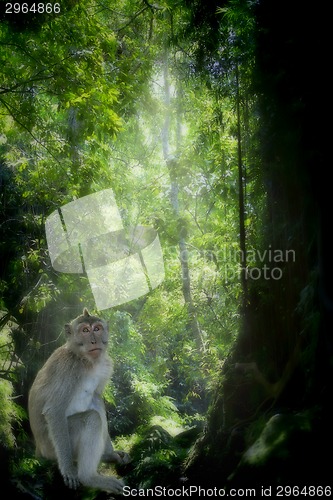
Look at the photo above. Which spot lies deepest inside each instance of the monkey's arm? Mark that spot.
(57, 394)
(59, 434)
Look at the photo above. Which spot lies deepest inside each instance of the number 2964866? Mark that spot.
(32, 8)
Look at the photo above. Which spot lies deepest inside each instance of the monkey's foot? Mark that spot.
(116, 486)
(106, 483)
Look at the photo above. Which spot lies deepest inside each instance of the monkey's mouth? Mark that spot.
(95, 352)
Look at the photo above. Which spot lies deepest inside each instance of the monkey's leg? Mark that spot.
(89, 452)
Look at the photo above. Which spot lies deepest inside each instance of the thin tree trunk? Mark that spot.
(172, 165)
(241, 203)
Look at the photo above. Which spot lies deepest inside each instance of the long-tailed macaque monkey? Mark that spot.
(66, 410)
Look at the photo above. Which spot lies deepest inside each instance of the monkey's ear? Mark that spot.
(68, 329)
(86, 312)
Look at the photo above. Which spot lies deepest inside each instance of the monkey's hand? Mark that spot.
(123, 458)
(70, 477)
(118, 457)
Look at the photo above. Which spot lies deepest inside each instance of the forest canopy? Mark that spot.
(199, 118)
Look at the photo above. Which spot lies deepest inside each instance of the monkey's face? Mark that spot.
(93, 337)
(88, 336)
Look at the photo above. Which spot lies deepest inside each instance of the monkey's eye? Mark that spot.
(85, 329)
(97, 328)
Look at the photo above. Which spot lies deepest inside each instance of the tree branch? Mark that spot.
(13, 115)
(21, 84)
(153, 6)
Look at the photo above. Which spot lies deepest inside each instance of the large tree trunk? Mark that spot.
(270, 419)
